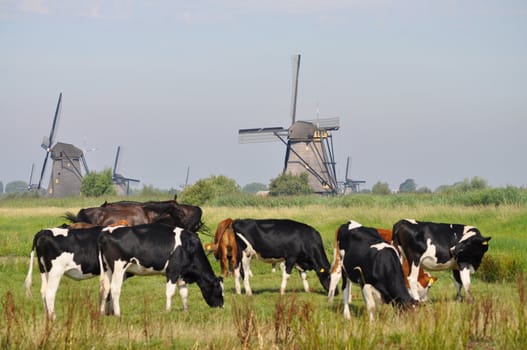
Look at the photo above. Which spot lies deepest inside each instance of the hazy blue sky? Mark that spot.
(430, 90)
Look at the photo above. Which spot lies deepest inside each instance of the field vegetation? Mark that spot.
(496, 320)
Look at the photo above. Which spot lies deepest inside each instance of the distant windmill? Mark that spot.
(121, 183)
(349, 185)
(66, 172)
(309, 144)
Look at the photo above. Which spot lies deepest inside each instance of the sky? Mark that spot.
(435, 91)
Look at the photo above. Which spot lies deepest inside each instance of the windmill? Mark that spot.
(309, 143)
(122, 184)
(349, 185)
(68, 160)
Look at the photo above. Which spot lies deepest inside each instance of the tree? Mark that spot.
(254, 187)
(98, 184)
(407, 186)
(205, 190)
(381, 188)
(1, 187)
(15, 186)
(288, 184)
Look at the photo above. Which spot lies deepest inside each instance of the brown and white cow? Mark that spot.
(363, 257)
(424, 279)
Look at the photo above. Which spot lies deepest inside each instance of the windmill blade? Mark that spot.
(43, 170)
(116, 160)
(347, 168)
(186, 178)
(295, 62)
(48, 141)
(261, 134)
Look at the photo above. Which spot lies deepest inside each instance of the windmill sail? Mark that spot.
(48, 141)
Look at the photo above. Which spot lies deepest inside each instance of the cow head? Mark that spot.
(470, 251)
(213, 292)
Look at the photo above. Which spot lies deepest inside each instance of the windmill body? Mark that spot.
(66, 171)
(309, 145)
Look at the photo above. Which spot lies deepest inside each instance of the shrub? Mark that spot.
(98, 184)
(206, 190)
(500, 268)
(289, 185)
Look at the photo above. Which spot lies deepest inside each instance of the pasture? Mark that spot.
(496, 320)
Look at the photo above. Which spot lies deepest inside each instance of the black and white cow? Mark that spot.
(438, 246)
(157, 249)
(274, 240)
(63, 251)
(363, 257)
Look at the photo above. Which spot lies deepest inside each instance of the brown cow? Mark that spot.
(224, 245)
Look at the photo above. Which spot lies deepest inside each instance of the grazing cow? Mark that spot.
(136, 213)
(157, 249)
(438, 246)
(367, 259)
(424, 279)
(273, 240)
(63, 251)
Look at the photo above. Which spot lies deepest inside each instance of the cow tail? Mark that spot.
(71, 217)
(28, 280)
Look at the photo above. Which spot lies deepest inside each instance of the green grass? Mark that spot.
(298, 320)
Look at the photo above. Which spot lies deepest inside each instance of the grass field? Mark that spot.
(298, 320)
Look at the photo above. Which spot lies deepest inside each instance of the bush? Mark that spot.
(206, 190)
(381, 188)
(98, 184)
(502, 268)
(289, 185)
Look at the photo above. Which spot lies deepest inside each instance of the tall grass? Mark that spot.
(267, 320)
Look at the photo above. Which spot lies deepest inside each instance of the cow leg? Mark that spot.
(170, 291)
(462, 278)
(335, 276)
(286, 273)
(303, 275)
(119, 268)
(106, 307)
(369, 293)
(346, 298)
(234, 254)
(43, 288)
(183, 293)
(246, 263)
(224, 261)
(413, 281)
(237, 276)
(53, 280)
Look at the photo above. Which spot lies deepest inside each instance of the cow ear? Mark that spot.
(486, 241)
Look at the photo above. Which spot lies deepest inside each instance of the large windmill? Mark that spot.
(121, 183)
(68, 161)
(309, 144)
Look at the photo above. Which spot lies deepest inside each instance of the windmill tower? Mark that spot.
(309, 144)
(121, 183)
(68, 161)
